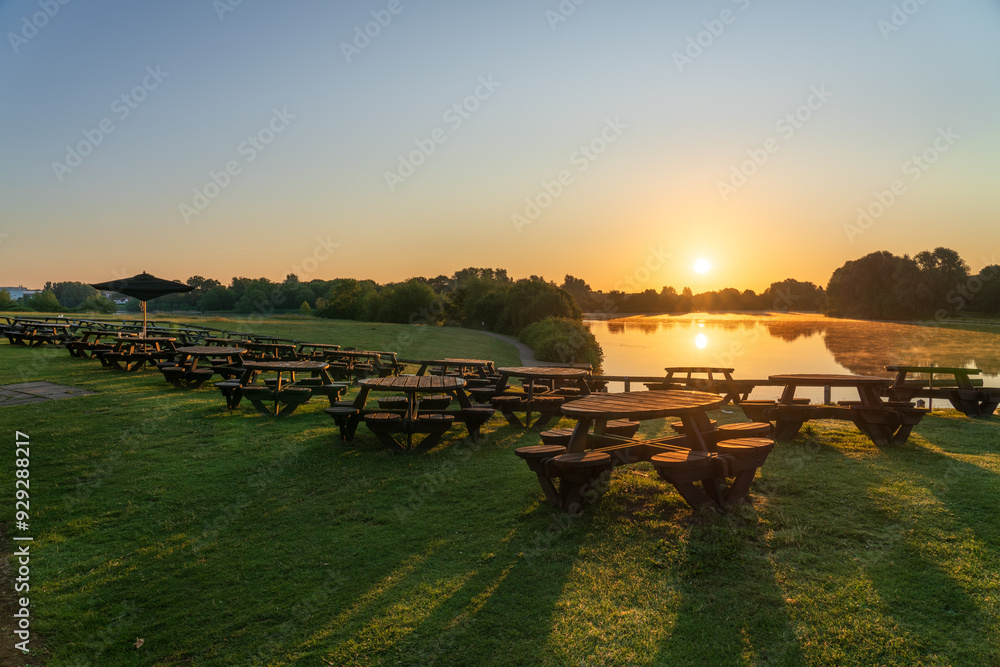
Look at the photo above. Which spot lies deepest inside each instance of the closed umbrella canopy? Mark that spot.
(143, 287)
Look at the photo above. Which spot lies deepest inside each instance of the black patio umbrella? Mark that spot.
(143, 287)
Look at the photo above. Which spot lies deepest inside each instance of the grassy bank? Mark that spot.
(235, 539)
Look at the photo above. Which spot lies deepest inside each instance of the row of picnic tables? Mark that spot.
(709, 465)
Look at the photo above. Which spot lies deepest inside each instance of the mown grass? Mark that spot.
(235, 539)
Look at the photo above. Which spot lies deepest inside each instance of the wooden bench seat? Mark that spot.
(561, 436)
(742, 430)
(582, 477)
(679, 426)
(346, 417)
(433, 402)
(232, 391)
(536, 457)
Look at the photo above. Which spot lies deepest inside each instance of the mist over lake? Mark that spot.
(761, 344)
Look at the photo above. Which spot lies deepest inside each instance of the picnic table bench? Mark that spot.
(696, 456)
(709, 378)
(283, 394)
(132, 353)
(965, 393)
(183, 371)
(544, 393)
(89, 342)
(431, 420)
(36, 334)
(883, 422)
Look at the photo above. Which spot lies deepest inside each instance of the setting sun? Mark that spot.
(702, 266)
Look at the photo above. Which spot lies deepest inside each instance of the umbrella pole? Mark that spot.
(143, 318)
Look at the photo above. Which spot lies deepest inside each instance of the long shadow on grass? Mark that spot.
(873, 522)
(454, 565)
(731, 609)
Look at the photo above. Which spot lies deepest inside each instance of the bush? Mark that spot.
(44, 302)
(98, 303)
(7, 303)
(563, 340)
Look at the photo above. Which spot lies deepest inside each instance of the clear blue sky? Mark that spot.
(313, 135)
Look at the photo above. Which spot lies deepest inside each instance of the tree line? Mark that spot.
(879, 285)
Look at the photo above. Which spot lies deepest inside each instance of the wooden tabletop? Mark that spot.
(413, 383)
(544, 371)
(697, 369)
(211, 350)
(828, 380)
(640, 404)
(284, 365)
(457, 362)
(151, 339)
(934, 369)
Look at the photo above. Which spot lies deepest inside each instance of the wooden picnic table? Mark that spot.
(36, 334)
(315, 350)
(131, 353)
(226, 342)
(883, 422)
(694, 462)
(480, 368)
(184, 372)
(284, 391)
(413, 419)
(965, 393)
(545, 403)
(357, 364)
(89, 342)
(259, 350)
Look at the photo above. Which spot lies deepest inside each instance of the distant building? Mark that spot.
(20, 291)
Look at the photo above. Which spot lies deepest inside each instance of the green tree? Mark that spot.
(7, 303)
(792, 294)
(43, 302)
(875, 286)
(412, 302)
(98, 303)
(530, 301)
(942, 272)
(216, 298)
(71, 293)
(579, 290)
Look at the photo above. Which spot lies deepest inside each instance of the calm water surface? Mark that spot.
(758, 345)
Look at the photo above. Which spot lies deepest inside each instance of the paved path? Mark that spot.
(36, 392)
(527, 354)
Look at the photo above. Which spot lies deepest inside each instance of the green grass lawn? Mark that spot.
(230, 538)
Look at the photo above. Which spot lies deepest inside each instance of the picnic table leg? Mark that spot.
(543, 419)
(261, 408)
(511, 418)
(785, 429)
(578, 440)
(902, 435)
(737, 493)
(693, 496)
(428, 442)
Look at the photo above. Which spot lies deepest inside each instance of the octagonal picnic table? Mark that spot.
(411, 421)
(967, 395)
(545, 403)
(226, 361)
(884, 422)
(683, 460)
(285, 393)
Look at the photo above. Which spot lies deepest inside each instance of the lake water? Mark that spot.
(759, 345)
